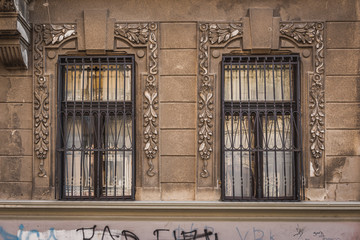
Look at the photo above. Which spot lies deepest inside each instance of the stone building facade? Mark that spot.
(179, 50)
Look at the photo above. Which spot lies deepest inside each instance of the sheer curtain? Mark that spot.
(98, 83)
(278, 159)
(98, 140)
(79, 156)
(258, 139)
(257, 83)
(117, 167)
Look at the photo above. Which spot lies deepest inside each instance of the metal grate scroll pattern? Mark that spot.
(261, 142)
(96, 138)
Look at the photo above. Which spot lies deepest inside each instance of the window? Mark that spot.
(261, 132)
(96, 127)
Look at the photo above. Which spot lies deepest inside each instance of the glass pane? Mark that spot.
(98, 82)
(258, 82)
(117, 163)
(278, 160)
(238, 145)
(118, 131)
(237, 132)
(117, 173)
(237, 174)
(79, 156)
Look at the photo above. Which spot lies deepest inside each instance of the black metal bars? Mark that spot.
(96, 128)
(261, 128)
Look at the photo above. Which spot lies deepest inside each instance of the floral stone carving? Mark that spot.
(313, 33)
(145, 34)
(44, 34)
(210, 34)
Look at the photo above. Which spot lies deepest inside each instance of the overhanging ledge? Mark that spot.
(177, 211)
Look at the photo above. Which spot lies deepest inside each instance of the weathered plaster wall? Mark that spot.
(178, 165)
(16, 97)
(200, 10)
(141, 230)
(342, 88)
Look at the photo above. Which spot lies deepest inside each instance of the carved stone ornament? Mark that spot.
(54, 34)
(145, 34)
(301, 32)
(210, 34)
(7, 6)
(135, 33)
(44, 34)
(313, 33)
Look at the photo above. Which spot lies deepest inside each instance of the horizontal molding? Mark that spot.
(177, 48)
(178, 75)
(343, 48)
(342, 102)
(342, 129)
(342, 75)
(177, 129)
(177, 102)
(186, 211)
(342, 155)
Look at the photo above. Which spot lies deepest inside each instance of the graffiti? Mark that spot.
(255, 234)
(319, 234)
(170, 231)
(83, 232)
(29, 236)
(299, 231)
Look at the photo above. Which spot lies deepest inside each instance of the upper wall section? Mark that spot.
(200, 10)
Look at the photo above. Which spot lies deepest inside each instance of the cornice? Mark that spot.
(223, 211)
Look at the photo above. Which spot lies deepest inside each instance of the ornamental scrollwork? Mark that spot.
(313, 33)
(44, 34)
(54, 34)
(135, 33)
(7, 6)
(317, 130)
(210, 34)
(41, 95)
(146, 34)
(220, 33)
(301, 32)
(41, 107)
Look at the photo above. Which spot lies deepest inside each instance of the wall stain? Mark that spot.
(333, 169)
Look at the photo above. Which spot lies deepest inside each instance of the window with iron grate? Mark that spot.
(261, 130)
(96, 128)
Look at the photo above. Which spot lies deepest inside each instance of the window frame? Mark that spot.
(111, 108)
(257, 106)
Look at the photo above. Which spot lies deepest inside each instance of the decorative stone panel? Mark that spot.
(305, 34)
(211, 34)
(302, 34)
(54, 35)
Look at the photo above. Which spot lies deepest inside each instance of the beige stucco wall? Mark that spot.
(177, 163)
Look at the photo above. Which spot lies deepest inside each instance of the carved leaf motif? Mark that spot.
(317, 122)
(310, 33)
(209, 34)
(301, 32)
(205, 125)
(150, 131)
(220, 33)
(7, 6)
(57, 33)
(41, 110)
(136, 33)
